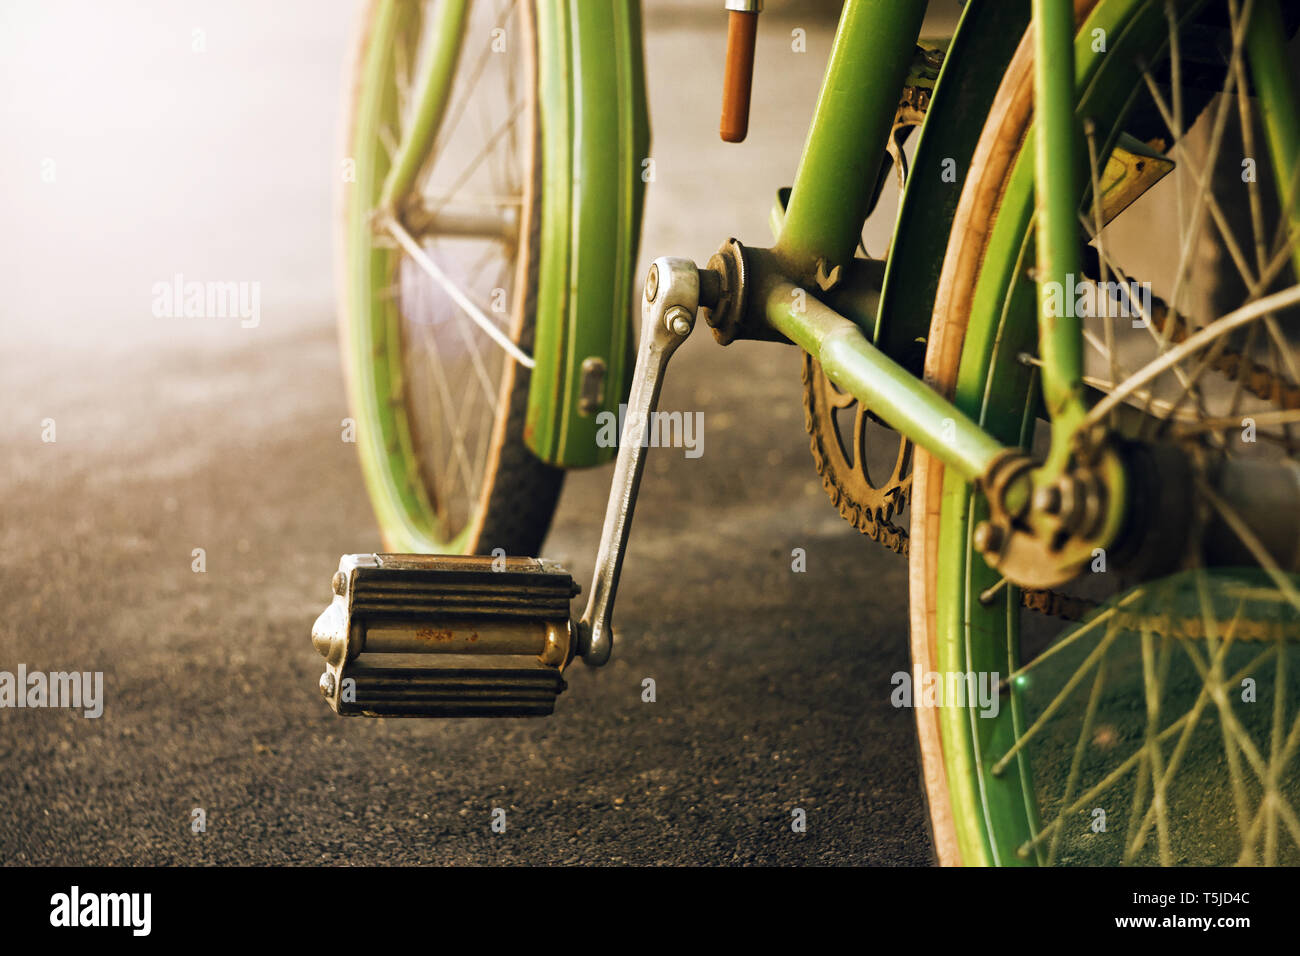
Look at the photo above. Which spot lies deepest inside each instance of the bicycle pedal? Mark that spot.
(413, 635)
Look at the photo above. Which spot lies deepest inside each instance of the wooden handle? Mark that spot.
(738, 75)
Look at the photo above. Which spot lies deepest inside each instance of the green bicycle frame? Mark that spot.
(821, 226)
(1060, 338)
(595, 142)
(819, 229)
(829, 202)
(845, 147)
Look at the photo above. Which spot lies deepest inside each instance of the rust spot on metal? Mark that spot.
(432, 634)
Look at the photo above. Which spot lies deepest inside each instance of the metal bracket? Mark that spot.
(672, 296)
(1043, 528)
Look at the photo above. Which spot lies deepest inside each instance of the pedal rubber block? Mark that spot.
(411, 635)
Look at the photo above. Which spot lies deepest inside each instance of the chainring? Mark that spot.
(867, 504)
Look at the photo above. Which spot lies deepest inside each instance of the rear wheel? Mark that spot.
(438, 404)
(1161, 728)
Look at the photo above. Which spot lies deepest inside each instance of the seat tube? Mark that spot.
(869, 62)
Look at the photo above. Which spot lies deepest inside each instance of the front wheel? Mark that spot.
(439, 406)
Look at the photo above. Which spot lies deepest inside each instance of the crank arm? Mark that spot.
(668, 308)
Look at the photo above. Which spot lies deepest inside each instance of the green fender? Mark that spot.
(595, 142)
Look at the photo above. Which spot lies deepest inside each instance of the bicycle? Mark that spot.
(1081, 433)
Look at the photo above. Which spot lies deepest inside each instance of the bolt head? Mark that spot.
(988, 537)
(327, 684)
(678, 320)
(652, 283)
(340, 582)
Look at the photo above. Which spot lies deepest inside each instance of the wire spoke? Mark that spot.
(1093, 657)
(479, 157)
(1076, 761)
(1194, 343)
(1122, 769)
(457, 294)
(1180, 748)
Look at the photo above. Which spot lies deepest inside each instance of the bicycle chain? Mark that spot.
(1233, 363)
